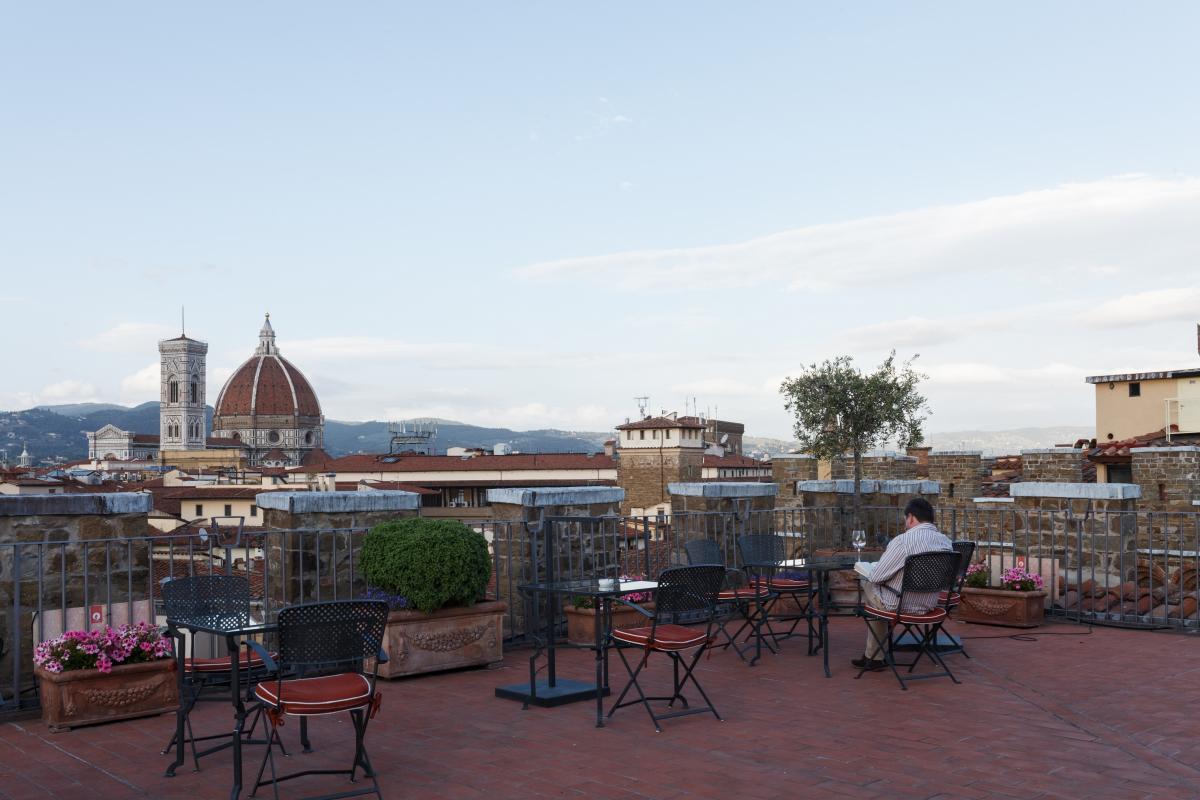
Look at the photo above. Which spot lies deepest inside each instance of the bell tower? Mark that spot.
(181, 422)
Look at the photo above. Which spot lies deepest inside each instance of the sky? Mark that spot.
(528, 214)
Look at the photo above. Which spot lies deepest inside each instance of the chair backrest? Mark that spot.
(762, 548)
(929, 573)
(966, 552)
(689, 592)
(332, 635)
(703, 551)
(206, 596)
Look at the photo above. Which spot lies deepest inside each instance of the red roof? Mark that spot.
(1118, 451)
(422, 463)
(662, 422)
(267, 384)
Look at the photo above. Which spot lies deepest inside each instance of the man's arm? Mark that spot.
(891, 562)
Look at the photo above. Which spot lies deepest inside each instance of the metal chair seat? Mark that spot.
(249, 660)
(950, 599)
(327, 694)
(904, 618)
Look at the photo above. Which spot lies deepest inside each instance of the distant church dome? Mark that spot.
(270, 407)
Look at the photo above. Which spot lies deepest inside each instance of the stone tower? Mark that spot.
(181, 423)
(654, 452)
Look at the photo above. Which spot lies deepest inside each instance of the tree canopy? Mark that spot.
(841, 410)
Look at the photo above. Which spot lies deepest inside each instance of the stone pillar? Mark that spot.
(879, 465)
(1169, 477)
(1052, 465)
(786, 470)
(921, 454)
(960, 473)
(311, 539)
(89, 549)
(592, 546)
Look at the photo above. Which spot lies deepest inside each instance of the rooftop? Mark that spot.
(1019, 726)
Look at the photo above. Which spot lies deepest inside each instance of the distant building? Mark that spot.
(1134, 404)
(110, 443)
(727, 436)
(654, 452)
(24, 460)
(269, 407)
(181, 422)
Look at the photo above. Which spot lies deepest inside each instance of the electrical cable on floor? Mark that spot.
(1031, 637)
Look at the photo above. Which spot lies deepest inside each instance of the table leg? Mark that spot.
(603, 613)
(179, 713)
(239, 714)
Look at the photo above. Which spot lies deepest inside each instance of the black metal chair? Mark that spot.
(953, 598)
(762, 556)
(683, 593)
(326, 647)
(920, 612)
(199, 596)
(739, 599)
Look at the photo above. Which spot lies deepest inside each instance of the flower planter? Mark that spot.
(88, 696)
(1001, 607)
(581, 622)
(449, 638)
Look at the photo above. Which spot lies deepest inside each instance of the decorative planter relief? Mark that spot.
(463, 636)
(88, 696)
(1002, 607)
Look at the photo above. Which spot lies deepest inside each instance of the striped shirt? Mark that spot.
(889, 570)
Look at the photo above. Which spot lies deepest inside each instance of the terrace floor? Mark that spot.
(1073, 712)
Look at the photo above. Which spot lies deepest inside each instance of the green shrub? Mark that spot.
(430, 562)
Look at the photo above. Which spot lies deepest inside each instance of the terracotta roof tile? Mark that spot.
(422, 463)
(662, 422)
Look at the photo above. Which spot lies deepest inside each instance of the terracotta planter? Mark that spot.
(581, 622)
(88, 696)
(449, 638)
(1001, 607)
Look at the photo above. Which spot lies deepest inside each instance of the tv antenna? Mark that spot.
(643, 403)
(411, 437)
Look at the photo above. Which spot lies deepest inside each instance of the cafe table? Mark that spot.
(820, 568)
(234, 629)
(553, 690)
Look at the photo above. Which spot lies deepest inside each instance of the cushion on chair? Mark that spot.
(954, 598)
(744, 592)
(666, 637)
(927, 618)
(789, 585)
(250, 660)
(327, 694)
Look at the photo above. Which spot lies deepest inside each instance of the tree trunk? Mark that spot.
(858, 523)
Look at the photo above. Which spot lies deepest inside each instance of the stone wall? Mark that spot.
(882, 502)
(960, 473)
(89, 550)
(1169, 477)
(877, 465)
(786, 470)
(644, 474)
(1052, 465)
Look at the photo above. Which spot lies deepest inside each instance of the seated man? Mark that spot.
(883, 590)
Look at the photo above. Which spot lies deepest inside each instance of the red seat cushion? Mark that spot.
(250, 660)
(927, 618)
(744, 592)
(666, 637)
(789, 585)
(327, 694)
(954, 598)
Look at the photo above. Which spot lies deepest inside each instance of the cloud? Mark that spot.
(68, 391)
(142, 385)
(725, 387)
(910, 332)
(435, 355)
(1060, 233)
(971, 373)
(1145, 308)
(128, 337)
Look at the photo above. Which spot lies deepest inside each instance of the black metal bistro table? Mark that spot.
(819, 567)
(234, 628)
(553, 690)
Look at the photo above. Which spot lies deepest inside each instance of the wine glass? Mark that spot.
(859, 540)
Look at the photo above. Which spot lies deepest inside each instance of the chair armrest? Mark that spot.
(268, 662)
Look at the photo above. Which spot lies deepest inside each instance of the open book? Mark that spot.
(864, 568)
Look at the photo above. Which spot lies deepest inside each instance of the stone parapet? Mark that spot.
(329, 510)
(789, 468)
(1052, 465)
(562, 496)
(1169, 476)
(722, 496)
(960, 473)
(1075, 491)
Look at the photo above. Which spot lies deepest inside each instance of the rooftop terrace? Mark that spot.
(1066, 711)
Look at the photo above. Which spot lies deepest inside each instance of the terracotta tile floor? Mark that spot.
(1105, 714)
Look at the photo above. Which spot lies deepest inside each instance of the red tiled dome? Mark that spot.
(267, 384)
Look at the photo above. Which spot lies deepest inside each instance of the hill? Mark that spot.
(1006, 442)
(57, 433)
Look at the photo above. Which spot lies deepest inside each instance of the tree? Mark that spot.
(839, 409)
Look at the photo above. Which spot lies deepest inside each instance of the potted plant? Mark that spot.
(581, 614)
(434, 573)
(1018, 602)
(85, 677)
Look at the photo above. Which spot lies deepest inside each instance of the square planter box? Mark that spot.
(88, 696)
(449, 638)
(1001, 607)
(581, 622)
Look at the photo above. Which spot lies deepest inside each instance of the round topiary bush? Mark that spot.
(429, 562)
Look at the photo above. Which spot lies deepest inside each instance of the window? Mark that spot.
(654, 434)
(628, 435)
(666, 434)
(253, 510)
(192, 393)
(228, 510)
(199, 510)
(641, 434)
(173, 392)
(1135, 389)
(1119, 473)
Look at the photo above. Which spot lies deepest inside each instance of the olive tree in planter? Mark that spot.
(435, 572)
